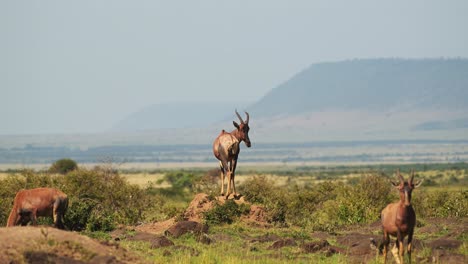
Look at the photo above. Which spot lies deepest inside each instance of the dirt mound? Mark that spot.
(183, 227)
(323, 247)
(161, 241)
(202, 203)
(157, 227)
(49, 245)
(257, 217)
(357, 244)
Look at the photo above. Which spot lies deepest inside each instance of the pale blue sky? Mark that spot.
(81, 66)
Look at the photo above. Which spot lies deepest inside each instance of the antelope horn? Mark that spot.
(410, 181)
(240, 118)
(399, 176)
(247, 121)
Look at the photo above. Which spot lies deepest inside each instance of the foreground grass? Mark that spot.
(238, 243)
(232, 245)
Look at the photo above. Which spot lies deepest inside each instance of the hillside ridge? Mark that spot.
(372, 85)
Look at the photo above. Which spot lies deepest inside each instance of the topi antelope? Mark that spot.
(226, 149)
(29, 204)
(399, 219)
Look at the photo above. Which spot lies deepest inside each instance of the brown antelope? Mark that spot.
(29, 204)
(399, 219)
(226, 149)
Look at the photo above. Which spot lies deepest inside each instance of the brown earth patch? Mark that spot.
(200, 204)
(288, 242)
(50, 245)
(183, 227)
(314, 246)
(448, 258)
(360, 248)
(156, 227)
(444, 244)
(257, 217)
(161, 241)
(322, 247)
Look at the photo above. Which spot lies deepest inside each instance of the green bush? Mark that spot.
(303, 202)
(440, 203)
(63, 166)
(101, 219)
(180, 182)
(359, 203)
(259, 189)
(225, 213)
(99, 199)
(100, 188)
(324, 206)
(79, 213)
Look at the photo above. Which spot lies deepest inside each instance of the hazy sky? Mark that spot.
(81, 66)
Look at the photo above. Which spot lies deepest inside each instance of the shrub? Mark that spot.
(303, 202)
(260, 189)
(99, 199)
(351, 204)
(180, 182)
(101, 219)
(225, 213)
(78, 213)
(439, 203)
(99, 189)
(63, 166)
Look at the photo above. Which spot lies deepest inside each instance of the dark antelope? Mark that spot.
(399, 219)
(226, 149)
(29, 204)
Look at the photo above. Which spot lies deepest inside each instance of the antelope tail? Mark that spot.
(13, 216)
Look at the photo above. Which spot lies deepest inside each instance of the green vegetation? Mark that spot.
(63, 166)
(306, 200)
(226, 213)
(99, 199)
(318, 198)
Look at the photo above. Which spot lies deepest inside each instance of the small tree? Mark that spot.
(63, 166)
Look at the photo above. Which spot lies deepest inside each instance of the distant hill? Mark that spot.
(368, 99)
(177, 115)
(371, 85)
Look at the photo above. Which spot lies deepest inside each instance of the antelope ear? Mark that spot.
(396, 184)
(235, 124)
(416, 185)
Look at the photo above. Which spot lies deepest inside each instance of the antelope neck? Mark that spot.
(235, 133)
(404, 204)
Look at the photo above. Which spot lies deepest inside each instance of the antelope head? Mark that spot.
(406, 187)
(243, 129)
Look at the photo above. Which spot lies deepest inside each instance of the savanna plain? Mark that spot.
(286, 213)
